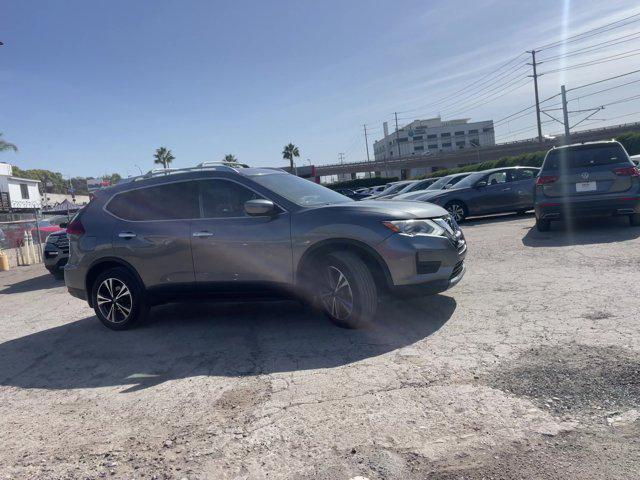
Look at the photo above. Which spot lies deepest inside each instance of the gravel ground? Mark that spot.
(530, 368)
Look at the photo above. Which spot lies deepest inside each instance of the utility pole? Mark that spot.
(341, 157)
(565, 113)
(397, 134)
(366, 142)
(535, 87)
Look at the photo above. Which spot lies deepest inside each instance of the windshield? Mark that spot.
(438, 184)
(470, 181)
(298, 190)
(393, 188)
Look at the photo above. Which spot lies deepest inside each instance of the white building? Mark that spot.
(18, 193)
(433, 136)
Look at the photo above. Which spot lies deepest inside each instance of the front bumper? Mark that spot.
(423, 264)
(551, 209)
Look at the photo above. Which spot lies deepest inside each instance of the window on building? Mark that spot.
(432, 137)
(487, 129)
(418, 147)
(446, 145)
(460, 144)
(432, 147)
(445, 135)
(474, 142)
(24, 191)
(473, 131)
(403, 139)
(417, 138)
(460, 133)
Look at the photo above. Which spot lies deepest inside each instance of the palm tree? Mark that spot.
(230, 158)
(290, 151)
(4, 146)
(164, 157)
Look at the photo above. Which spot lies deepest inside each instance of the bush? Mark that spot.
(362, 182)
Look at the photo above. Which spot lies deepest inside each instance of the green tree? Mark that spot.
(230, 158)
(290, 151)
(5, 146)
(164, 157)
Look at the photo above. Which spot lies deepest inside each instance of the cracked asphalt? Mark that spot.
(529, 368)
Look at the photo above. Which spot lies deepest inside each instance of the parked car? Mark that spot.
(443, 183)
(377, 189)
(56, 252)
(352, 194)
(497, 190)
(635, 159)
(224, 231)
(417, 185)
(44, 228)
(587, 179)
(392, 189)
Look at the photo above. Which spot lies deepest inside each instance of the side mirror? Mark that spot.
(63, 225)
(481, 183)
(259, 207)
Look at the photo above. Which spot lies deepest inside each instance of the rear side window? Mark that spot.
(585, 156)
(171, 201)
(523, 174)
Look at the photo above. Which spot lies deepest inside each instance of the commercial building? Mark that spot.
(433, 136)
(18, 194)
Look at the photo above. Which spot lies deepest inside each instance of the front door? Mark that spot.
(497, 195)
(229, 246)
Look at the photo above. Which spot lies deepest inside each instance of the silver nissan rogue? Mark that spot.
(225, 231)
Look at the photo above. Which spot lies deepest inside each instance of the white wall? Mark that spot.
(15, 194)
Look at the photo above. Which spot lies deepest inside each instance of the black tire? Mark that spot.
(634, 220)
(361, 287)
(543, 225)
(58, 273)
(115, 316)
(457, 210)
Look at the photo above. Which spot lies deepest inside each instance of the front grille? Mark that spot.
(457, 269)
(63, 243)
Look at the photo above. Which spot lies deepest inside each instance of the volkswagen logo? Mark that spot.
(585, 175)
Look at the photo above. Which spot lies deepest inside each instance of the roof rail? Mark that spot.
(234, 165)
(221, 166)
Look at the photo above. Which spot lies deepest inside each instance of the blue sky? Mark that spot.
(89, 87)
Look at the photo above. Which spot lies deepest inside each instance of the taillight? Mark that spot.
(627, 171)
(546, 179)
(75, 228)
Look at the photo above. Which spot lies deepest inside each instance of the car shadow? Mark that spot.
(213, 339)
(498, 218)
(43, 282)
(582, 231)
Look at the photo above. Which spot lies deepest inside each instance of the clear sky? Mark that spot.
(89, 87)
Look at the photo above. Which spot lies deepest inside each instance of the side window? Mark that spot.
(522, 174)
(222, 198)
(171, 201)
(497, 177)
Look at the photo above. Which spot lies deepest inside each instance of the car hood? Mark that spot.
(392, 209)
(431, 194)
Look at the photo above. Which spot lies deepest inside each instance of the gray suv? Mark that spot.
(586, 180)
(216, 230)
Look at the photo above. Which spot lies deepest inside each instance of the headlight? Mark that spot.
(412, 228)
(51, 238)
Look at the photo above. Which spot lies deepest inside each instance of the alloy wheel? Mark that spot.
(114, 300)
(336, 294)
(456, 211)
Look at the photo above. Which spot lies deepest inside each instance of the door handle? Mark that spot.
(203, 233)
(506, 189)
(126, 235)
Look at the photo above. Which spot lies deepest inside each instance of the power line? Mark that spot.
(594, 31)
(605, 90)
(610, 58)
(603, 80)
(593, 48)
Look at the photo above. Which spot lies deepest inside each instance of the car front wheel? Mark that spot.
(347, 290)
(118, 299)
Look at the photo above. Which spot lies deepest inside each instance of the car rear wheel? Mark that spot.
(457, 210)
(118, 299)
(543, 225)
(347, 291)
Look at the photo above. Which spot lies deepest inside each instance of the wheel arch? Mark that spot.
(102, 264)
(372, 259)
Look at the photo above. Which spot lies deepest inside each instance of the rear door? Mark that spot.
(585, 170)
(230, 246)
(523, 185)
(153, 232)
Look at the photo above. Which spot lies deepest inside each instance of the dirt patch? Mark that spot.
(573, 377)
